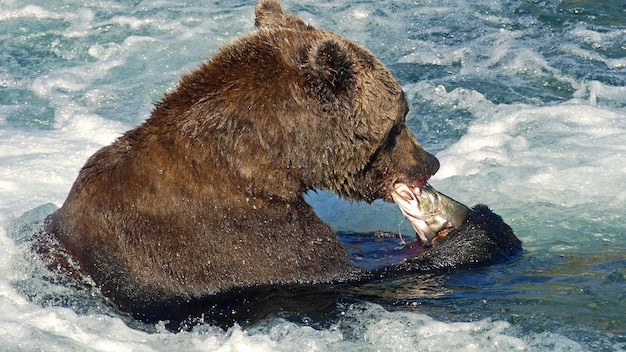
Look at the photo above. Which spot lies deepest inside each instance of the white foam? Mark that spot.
(28, 11)
(550, 152)
(37, 168)
(60, 329)
(404, 335)
(360, 12)
(598, 38)
(562, 163)
(428, 53)
(41, 164)
(81, 19)
(29, 327)
(597, 92)
(132, 22)
(514, 144)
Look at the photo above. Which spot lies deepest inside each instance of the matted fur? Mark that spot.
(207, 194)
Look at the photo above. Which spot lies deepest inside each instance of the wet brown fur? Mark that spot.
(207, 194)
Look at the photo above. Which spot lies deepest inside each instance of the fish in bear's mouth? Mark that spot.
(431, 213)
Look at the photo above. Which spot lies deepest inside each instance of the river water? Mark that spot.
(523, 102)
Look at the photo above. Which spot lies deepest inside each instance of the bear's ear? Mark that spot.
(331, 70)
(269, 15)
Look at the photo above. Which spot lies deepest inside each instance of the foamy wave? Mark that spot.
(380, 329)
(550, 153)
(596, 92)
(81, 20)
(28, 11)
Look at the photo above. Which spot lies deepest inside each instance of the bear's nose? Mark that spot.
(433, 163)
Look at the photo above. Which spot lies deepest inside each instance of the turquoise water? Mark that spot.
(524, 103)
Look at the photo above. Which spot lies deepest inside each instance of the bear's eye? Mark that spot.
(393, 133)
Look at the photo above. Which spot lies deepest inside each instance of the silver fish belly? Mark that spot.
(431, 213)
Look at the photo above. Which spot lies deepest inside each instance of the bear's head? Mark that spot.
(291, 108)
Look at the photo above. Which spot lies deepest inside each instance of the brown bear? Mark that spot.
(205, 198)
(207, 194)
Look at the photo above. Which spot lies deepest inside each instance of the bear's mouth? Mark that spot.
(414, 186)
(432, 214)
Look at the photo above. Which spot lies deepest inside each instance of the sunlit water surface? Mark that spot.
(524, 103)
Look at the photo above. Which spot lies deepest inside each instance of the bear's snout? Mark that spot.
(433, 163)
(432, 166)
(412, 164)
